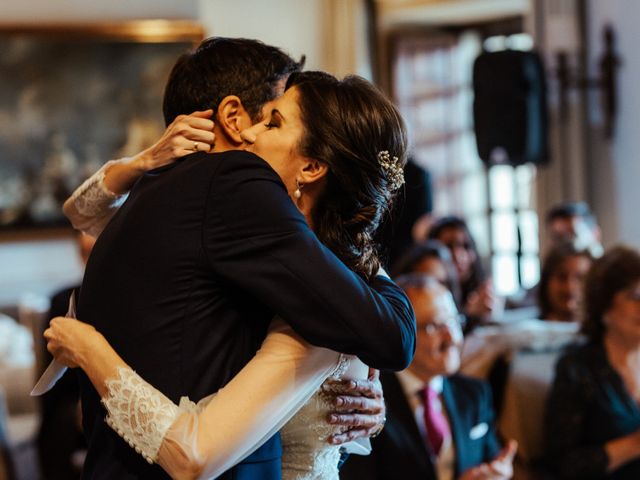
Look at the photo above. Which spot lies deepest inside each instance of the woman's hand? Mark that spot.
(71, 341)
(185, 135)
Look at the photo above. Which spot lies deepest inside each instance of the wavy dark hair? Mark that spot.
(347, 124)
(220, 67)
(552, 262)
(617, 270)
(478, 274)
(406, 264)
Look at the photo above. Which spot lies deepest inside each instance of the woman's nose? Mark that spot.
(249, 135)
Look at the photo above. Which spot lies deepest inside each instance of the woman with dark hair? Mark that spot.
(431, 258)
(477, 298)
(339, 148)
(592, 417)
(561, 283)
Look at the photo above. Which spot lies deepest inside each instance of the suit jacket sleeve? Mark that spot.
(257, 239)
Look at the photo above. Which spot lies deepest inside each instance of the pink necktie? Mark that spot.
(434, 420)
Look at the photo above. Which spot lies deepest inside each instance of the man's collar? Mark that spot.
(410, 383)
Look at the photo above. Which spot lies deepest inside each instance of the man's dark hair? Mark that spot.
(407, 263)
(477, 271)
(220, 67)
(572, 209)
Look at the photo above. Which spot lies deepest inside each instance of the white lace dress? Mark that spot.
(205, 439)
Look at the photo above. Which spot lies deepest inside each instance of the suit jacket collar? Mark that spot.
(397, 403)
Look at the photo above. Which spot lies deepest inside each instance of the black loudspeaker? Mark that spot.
(510, 108)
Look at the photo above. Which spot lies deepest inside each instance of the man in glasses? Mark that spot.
(440, 425)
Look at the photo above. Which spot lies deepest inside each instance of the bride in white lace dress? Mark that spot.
(205, 439)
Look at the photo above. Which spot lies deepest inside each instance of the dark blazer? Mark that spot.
(185, 279)
(588, 406)
(400, 451)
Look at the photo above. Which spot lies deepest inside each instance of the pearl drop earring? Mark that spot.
(297, 193)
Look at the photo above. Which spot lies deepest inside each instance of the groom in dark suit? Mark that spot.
(440, 425)
(184, 280)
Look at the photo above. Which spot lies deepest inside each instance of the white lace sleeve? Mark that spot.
(92, 205)
(204, 440)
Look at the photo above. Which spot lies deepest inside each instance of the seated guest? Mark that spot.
(574, 222)
(440, 425)
(562, 282)
(593, 410)
(570, 222)
(431, 258)
(478, 300)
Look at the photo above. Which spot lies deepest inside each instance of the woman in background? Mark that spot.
(432, 258)
(592, 417)
(477, 300)
(562, 282)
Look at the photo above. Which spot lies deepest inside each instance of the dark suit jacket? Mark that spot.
(185, 279)
(400, 451)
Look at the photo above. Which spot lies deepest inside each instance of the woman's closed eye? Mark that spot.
(275, 121)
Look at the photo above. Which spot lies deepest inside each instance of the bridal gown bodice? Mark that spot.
(279, 390)
(306, 454)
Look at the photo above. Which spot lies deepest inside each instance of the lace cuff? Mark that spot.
(93, 203)
(139, 413)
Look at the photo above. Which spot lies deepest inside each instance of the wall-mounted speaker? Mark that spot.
(510, 108)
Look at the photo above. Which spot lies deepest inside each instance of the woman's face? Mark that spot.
(564, 289)
(277, 137)
(456, 240)
(623, 317)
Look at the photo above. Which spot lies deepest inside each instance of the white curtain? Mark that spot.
(344, 32)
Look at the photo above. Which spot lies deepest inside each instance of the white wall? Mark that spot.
(33, 11)
(293, 25)
(616, 165)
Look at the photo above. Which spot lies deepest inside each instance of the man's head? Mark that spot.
(439, 339)
(235, 77)
(574, 222)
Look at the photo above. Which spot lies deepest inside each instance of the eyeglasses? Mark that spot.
(441, 324)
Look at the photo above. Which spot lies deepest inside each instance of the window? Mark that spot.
(432, 85)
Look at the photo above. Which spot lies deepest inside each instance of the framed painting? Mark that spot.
(73, 97)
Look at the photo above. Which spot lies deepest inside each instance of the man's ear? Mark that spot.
(313, 171)
(232, 118)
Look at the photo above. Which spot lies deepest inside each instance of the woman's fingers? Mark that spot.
(202, 113)
(190, 139)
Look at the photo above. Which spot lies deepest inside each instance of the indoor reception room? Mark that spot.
(444, 282)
